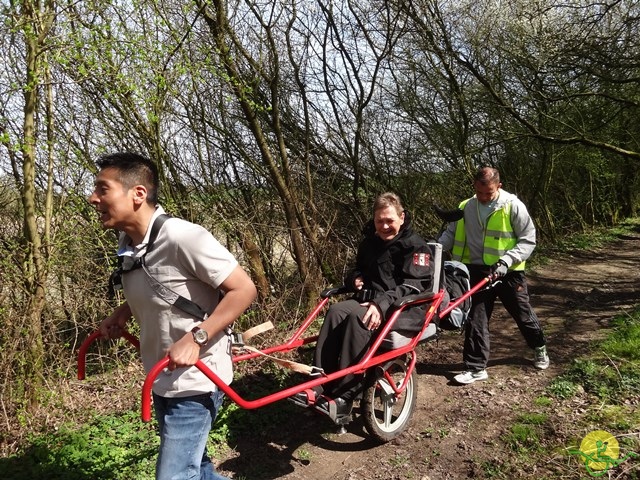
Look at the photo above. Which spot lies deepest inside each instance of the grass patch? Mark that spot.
(624, 342)
(525, 435)
(611, 373)
(108, 447)
(523, 438)
(542, 401)
(607, 384)
(533, 418)
(619, 418)
(492, 469)
(562, 388)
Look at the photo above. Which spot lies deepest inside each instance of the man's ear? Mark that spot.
(139, 194)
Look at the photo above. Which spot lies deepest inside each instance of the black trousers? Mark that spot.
(512, 291)
(343, 340)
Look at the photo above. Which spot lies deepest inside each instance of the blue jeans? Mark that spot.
(184, 424)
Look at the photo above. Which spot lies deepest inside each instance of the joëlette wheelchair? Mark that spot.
(390, 391)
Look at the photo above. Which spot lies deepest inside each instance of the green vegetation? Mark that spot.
(542, 401)
(107, 447)
(524, 435)
(116, 445)
(523, 438)
(303, 455)
(119, 446)
(606, 383)
(612, 372)
(562, 388)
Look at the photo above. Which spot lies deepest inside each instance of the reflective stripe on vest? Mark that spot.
(459, 251)
(499, 238)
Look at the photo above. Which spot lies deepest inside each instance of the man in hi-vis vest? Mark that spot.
(496, 235)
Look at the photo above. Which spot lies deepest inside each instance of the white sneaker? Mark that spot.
(541, 359)
(469, 376)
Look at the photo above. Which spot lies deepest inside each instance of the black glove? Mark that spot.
(499, 269)
(365, 295)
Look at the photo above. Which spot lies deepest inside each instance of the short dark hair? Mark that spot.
(388, 199)
(134, 169)
(487, 175)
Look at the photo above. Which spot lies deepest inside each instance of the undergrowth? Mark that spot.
(593, 239)
(605, 385)
(116, 445)
(107, 447)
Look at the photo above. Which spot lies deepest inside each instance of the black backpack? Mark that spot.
(458, 282)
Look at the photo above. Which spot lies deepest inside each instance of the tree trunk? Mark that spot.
(252, 252)
(278, 173)
(34, 265)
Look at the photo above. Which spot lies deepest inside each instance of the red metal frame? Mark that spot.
(478, 286)
(375, 355)
(82, 352)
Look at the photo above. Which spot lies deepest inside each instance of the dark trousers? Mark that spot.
(512, 291)
(343, 340)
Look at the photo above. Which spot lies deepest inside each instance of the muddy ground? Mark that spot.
(457, 432)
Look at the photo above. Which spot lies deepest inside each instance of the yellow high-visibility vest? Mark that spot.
(498, 238)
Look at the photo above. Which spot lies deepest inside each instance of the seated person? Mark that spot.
(392, 261)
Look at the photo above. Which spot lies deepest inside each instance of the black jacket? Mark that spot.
(394, 269)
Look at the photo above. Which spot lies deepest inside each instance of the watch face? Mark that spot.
(200, 336)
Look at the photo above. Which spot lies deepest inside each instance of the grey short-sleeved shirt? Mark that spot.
(187, 259)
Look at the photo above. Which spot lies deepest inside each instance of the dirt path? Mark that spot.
(456, 430)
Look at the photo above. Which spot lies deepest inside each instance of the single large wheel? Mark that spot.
(385, 416)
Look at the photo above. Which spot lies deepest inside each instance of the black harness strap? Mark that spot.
(155, 228)
(175, 299)
(168, 295)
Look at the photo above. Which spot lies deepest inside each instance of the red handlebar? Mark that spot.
(82, 353)
(148, 383)
(481, 284)
(230, 392)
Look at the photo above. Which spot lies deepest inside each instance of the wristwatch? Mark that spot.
(200, 336)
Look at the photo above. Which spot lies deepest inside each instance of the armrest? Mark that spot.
(413, 299)
(330, 292)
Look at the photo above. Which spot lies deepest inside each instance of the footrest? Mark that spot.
(340, 414)
(305, 399)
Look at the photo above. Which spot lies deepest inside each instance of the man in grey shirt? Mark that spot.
(189, 261)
